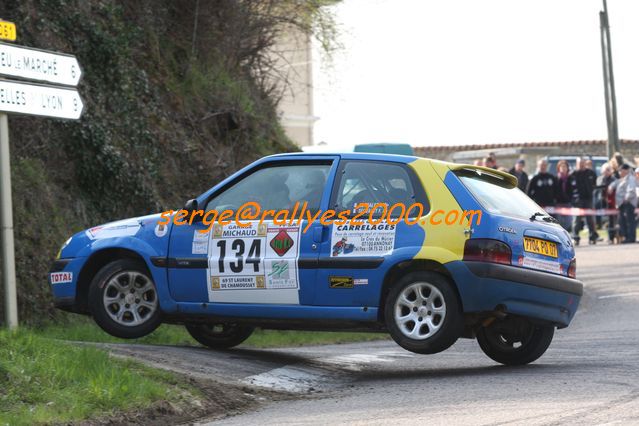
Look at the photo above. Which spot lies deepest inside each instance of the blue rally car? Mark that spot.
(505, 274)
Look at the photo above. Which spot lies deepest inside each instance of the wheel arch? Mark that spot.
(402, 268)
(97, 261)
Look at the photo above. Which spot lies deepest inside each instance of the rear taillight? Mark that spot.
(485, 250)
(572, 269)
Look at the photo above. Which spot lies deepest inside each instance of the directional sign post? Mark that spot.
(19, 97)
(36, 64)
(38, 99)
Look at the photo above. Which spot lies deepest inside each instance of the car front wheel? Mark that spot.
(219, 336)
(423, 314)
(123, 299)
(515, 341)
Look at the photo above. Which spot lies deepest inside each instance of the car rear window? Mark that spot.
(496, 194)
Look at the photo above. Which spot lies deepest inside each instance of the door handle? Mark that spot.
(317, 234)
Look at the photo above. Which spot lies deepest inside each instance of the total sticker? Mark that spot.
(61, 277)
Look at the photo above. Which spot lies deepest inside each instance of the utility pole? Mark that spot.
(609, 83)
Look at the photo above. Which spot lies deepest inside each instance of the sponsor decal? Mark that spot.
(362, 240)
(200, 247)
(540, 264)
(281, 243)
(236, 283)
(200, 243)
(61, 277)
(161, 230)
(360, 281)
(341, 282)
(278, 274)
(125, 228)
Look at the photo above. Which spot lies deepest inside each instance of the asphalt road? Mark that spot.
(590, 374)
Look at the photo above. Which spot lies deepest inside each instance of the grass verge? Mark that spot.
(83, 329)
(47, 381)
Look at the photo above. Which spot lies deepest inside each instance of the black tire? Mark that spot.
(219, 336)
(515, 341)
(106, 283)
(445, 330)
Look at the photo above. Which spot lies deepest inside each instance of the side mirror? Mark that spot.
(191, 205)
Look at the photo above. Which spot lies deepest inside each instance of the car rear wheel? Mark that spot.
(219, 336)
(123, 299)
(423, 314)
(515, 341)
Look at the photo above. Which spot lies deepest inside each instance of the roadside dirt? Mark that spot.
(219, 400)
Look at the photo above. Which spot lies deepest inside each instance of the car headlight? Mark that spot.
(66, 243)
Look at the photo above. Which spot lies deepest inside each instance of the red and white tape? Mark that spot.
(579, 211)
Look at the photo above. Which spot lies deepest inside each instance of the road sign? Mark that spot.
(41, 65)
(40, 99)
(34, 99)
(8, 31)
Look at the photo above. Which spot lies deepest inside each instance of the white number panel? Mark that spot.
(253, 264)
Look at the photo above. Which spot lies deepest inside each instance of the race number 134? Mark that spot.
(239, 254)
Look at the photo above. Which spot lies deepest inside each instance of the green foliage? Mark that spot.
(46, 381)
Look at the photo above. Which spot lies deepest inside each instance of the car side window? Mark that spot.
(276, 187)
(374, 183)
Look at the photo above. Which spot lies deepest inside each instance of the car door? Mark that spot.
(255, 260)
(356, 257)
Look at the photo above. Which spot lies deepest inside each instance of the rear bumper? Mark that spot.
(539, 295)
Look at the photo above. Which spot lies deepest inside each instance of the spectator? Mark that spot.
(607, 198)
(562, 192)
(479, 162)
(493, 159)
(616, 162)
(596, 194)
(615, 167)
(520, 174)
(582, 185)
(541, 187)
(626, 200)
(490, 162)
(592, 175)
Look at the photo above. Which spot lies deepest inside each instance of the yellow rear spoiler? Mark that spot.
(512, 180)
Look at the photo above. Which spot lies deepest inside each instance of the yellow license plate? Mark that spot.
(535, 245)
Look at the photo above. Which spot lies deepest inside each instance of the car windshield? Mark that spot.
(496, 195)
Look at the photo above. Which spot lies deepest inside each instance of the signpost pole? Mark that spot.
(6, 228)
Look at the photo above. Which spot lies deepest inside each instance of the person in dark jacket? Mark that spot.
(542, 186)
(562, 193)
(582, 183)
(520, 174)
